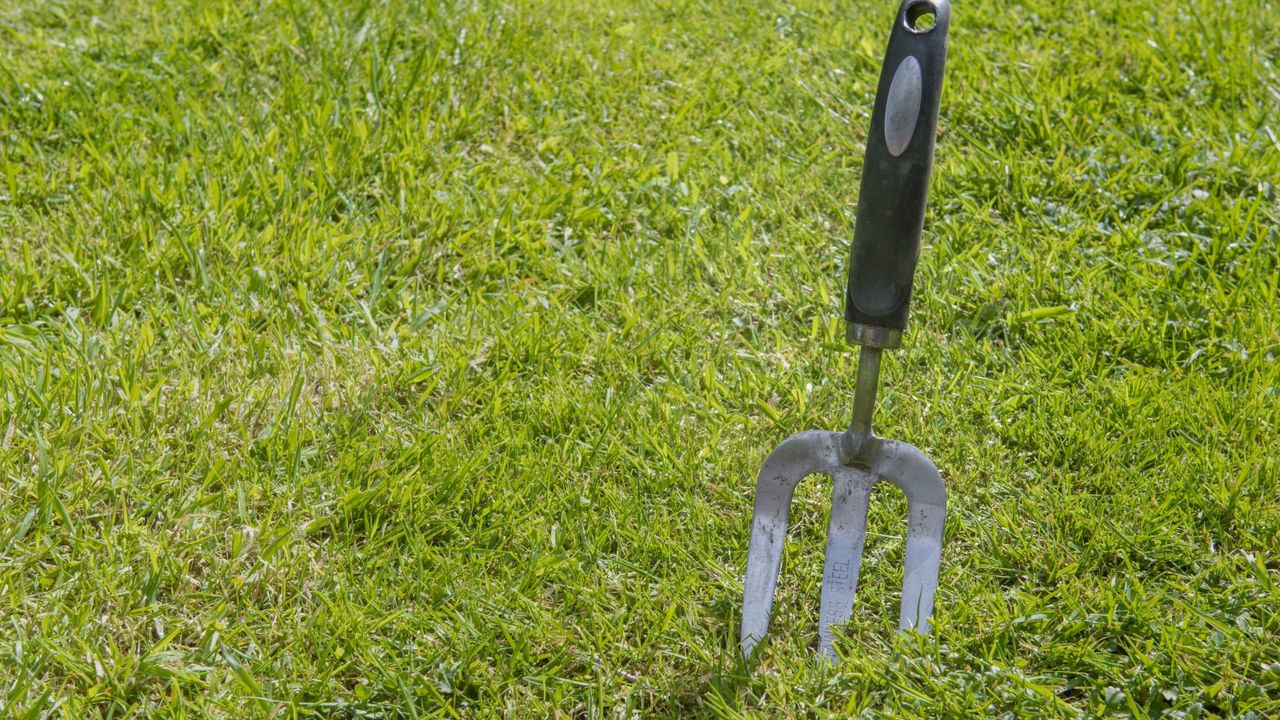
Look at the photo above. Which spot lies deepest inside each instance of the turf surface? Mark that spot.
(393, 359)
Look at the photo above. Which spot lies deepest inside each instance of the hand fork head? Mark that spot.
(818, 451)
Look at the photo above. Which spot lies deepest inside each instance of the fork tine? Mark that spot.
(909, 469)
(799, 455)
(846, 535)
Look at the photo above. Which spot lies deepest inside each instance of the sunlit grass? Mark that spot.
(391, 359)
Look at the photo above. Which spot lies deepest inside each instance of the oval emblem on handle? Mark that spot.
(902, 108)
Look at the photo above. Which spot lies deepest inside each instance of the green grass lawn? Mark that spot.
(386, 359)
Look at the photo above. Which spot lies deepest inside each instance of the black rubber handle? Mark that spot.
(895, 175)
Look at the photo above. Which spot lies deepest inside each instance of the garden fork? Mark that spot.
(886, 245)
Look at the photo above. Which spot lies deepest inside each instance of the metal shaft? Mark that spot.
(864, 396)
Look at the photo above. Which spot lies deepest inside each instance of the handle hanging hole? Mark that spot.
(921, 17)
